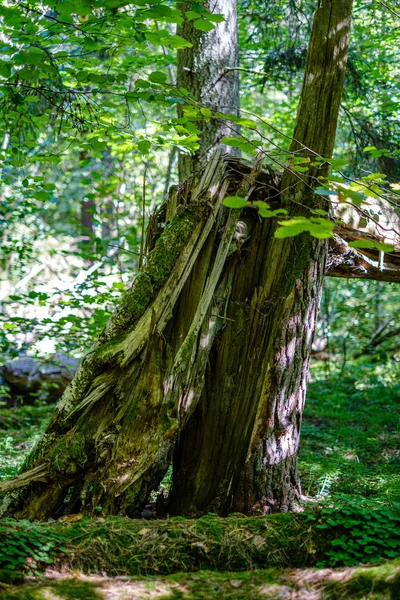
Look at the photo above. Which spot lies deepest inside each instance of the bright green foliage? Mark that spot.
(317, 227)
(235, 202)
(362, 532)
(26, 546)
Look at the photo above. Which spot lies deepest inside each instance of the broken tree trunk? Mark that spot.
(239, 450)
(193, 331)
(110, 440)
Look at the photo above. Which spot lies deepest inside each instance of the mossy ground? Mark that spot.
(373, 583)
(350, 445)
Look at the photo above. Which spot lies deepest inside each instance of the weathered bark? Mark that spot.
(110, 438)
(208, 70)
(212, 342)
(113, 431)
(239, 449)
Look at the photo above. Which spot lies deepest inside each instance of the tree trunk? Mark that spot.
(239, 449)
(110, 440)
(237, 339)
(208, 70)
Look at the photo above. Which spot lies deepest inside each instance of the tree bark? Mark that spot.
(110, 440)
(208, 70)
(212, 341)
(239, 449)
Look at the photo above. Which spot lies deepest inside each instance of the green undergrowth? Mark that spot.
(119, 546)
(344, 532)
(350, 439)
(380, 582)
(19, 429)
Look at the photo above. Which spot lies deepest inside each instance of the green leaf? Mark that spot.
(228, 116)
(191, 15)
(338, 163)
(158, 77)
(371, 244)
(144, 146)
(82, 76)
(214, 17)
(41, 195)
(98, 145)
(238, 142)
(96, 78)
(317, 227)
(142, 84)
(264, 212)
(247, 123)
(356, 197)
(235, 202)
(177, 42)
(206, 112)
(202, 25)
(5, 69)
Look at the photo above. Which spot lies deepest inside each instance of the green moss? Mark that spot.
(380, 582)
(299, 257)
(65, 589)
(69, 453)
(23, 593)
(38, 451)
(122, 546)
(72, 589)
(158, 267)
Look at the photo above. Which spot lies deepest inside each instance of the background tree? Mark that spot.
(209, 70)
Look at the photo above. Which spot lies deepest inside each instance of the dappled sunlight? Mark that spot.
(375, 582)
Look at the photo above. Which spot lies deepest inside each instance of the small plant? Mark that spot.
(363, 532)
(26, 547)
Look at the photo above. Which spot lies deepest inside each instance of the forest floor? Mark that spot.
(350, 472)
(373, 583)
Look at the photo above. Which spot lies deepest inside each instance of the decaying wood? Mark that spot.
(113, 431)
(213, 311)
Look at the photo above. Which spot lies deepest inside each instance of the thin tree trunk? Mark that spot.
(208, 70)
(239, 449)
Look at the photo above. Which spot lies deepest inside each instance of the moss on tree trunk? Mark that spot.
(239, 451)
(212, 342)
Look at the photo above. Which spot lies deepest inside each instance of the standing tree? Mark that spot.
(239, 450)
(212, 341)
(209, 71)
